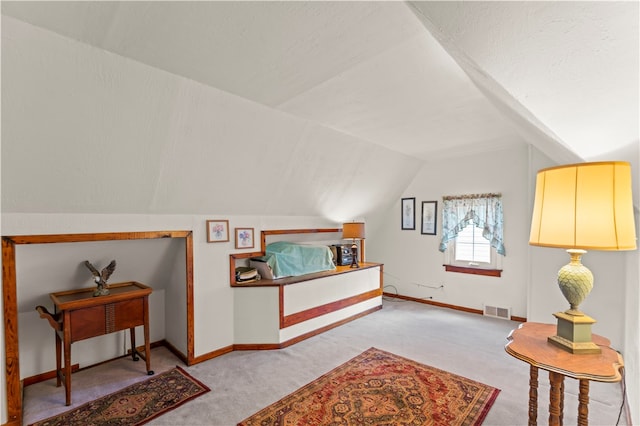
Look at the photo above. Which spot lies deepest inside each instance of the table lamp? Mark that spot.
(579, 207)
(355, 231)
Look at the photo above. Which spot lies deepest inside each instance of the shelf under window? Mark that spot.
(474, 271)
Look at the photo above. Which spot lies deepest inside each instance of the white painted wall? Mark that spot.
(213, 296)
(528, 285)
(412, 260)
(632, 330)
(257, 309)
(59, 267)
(256, 315)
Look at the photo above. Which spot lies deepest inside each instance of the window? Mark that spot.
(471, 246)
(470, 250)
(472, 233)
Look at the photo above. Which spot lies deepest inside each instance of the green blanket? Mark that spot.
(290, 259)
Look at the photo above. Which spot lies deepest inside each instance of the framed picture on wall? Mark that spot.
(217, 231)
(408, 206)
(244, 238)
(429, 217)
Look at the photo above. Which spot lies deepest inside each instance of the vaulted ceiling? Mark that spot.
(427, 80)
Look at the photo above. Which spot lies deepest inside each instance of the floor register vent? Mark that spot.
(497, 312)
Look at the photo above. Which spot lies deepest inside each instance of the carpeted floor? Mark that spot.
(244, 382)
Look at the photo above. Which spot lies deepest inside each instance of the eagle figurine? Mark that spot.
(101, 277)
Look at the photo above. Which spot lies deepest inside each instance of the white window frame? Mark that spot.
(450, 258)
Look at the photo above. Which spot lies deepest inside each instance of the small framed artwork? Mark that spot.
(429, 217)
(408, 213)
(244, 238)
(217, 231)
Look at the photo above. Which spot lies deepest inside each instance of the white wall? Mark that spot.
(413, 261)
(59, 267)
(529, 282)
(632, 332)
(213, 296)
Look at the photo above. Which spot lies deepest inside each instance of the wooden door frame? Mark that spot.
(10, 302)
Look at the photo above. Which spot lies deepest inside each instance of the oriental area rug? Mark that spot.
(135, 404)
(380, 388)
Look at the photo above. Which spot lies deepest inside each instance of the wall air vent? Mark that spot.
(497, 312)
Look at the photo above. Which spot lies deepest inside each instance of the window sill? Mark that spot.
(474, 271)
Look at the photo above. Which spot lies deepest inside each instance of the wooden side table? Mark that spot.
(529, 344)
(79, 315)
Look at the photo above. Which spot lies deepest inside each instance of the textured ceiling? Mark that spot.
(570, 66)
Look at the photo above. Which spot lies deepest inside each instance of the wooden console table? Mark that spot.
(79, 315)
(529, 344)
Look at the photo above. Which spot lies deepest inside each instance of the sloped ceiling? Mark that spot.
(367, 69)
(390, 84)
(571, 67)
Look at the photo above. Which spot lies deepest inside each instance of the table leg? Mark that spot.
(583, 406)
(533, 396)
(556, 398)
(134, 351)
(147, 344)
(562, 400)
(58, 360)
(67, 356)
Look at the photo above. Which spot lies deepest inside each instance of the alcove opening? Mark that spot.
(36, 265)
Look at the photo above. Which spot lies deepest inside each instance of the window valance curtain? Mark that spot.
(485, 210)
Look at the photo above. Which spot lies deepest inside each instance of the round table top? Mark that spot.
(529, 344)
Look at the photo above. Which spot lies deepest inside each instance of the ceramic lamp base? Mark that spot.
(575, 281)
(574, 334)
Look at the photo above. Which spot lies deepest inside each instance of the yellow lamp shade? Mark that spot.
(584, 206)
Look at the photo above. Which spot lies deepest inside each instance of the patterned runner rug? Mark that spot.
(380, 388)
(135, 404)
